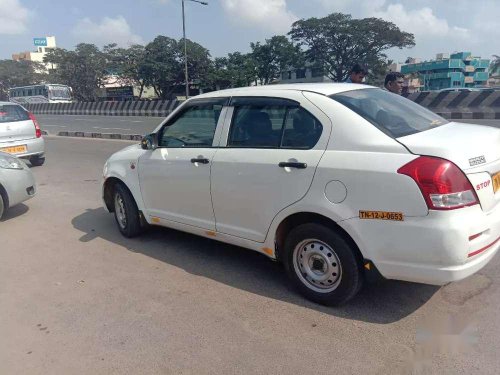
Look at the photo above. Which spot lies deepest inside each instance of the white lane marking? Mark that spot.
(55, 126)
(96, 127)
(130, 121)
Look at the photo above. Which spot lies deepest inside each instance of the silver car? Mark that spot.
(20, 133)
(17, 183)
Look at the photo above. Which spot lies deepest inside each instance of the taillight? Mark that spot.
(38, 131)
(443, 185)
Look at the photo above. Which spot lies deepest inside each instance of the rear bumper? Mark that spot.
(34, 147)
(435, 249)
(19, 184)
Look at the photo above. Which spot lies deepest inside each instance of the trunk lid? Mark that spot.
(475, 149)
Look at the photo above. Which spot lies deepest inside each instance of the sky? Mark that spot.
(226, 26)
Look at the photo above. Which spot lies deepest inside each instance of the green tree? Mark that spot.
(235, 70)
(84, 69)
(125, 64)
(338, 41)
(272, 57)
(495, 66)
(163, 65)
(19, 73)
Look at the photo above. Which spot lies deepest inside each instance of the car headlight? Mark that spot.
(10, 162)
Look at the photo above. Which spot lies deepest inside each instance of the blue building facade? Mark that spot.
(461, 69)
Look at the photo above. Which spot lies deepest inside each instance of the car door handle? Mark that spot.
(292, 164)
(200, 160)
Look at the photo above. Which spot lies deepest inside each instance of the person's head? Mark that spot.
(358, 73)
(394, 82)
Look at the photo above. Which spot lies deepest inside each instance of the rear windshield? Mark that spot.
(394, 115)
(11, 113)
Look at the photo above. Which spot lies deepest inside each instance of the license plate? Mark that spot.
(14, 149)
(496, 182)
(381, 215)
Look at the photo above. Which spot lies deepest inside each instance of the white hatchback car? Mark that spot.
(338, 181)
(17, 183)
(20, 133)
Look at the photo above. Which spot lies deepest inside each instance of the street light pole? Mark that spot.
(185, 44)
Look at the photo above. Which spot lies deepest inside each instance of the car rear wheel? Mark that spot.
(37, 161)
(322, 265)
(126, 212)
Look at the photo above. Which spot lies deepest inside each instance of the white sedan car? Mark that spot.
(17, 183)
(340, 182)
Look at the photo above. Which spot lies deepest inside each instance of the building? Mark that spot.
(457, 70)
(305, 74)
(117, 89)
(43, 45)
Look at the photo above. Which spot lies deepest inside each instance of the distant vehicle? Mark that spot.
(17, 183)
(47, 93)
(20, 133)
(335, 180)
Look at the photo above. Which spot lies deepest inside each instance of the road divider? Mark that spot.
(467, 105)
(123, 137)
(449, 104)
(154, 108)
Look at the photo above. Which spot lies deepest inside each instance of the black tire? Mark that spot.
(37, 161)
(130, 224)
(2, 206)
(331, 262)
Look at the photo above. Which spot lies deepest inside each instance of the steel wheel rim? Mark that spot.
(120, 212)
(317, 265)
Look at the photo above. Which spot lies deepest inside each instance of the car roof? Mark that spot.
(324, 88)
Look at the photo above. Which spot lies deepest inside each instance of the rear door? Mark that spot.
(15, 124)
(272, 149)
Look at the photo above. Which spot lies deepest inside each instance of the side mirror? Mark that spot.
(149, 142)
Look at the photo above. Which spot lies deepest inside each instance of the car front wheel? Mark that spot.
(126, 212)
(37, 161)
(322, 265)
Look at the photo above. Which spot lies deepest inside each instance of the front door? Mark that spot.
(175, 177)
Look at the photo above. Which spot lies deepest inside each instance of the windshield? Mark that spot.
(60, 92)
(394, 115)
(11, 113)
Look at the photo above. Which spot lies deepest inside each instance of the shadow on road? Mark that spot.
(381, 303)
(15, 211)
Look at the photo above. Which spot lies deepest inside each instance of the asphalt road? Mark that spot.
(129, 124)
(78, 298)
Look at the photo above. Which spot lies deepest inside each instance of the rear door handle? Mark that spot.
(292, 164)
(200, 160)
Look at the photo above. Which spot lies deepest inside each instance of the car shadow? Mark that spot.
(13, 212)
(382, 303)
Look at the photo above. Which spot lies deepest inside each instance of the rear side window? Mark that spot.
(273, 126)
(394, 115)
(11, 113)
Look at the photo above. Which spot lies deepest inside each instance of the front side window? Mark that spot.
(394, 115)
(194, 127)
(273, 126)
